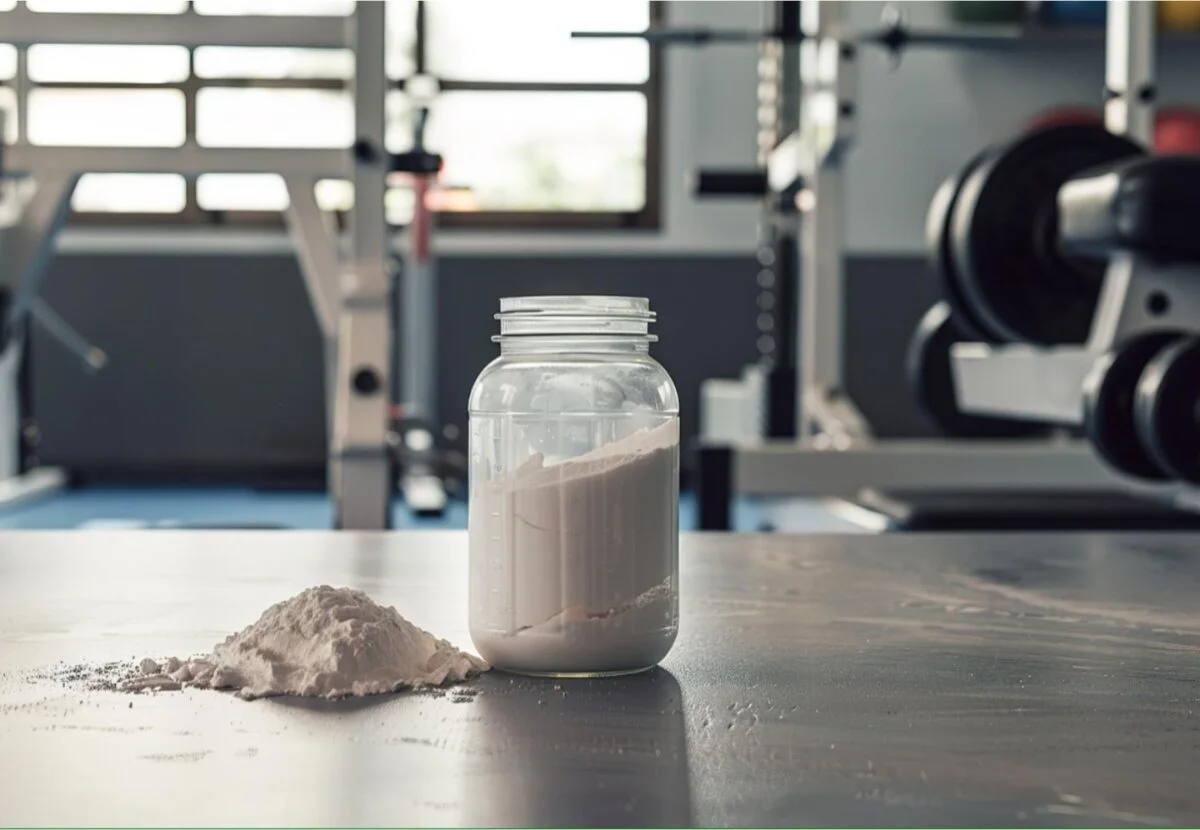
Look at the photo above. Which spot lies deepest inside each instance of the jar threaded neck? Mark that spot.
(619, 318)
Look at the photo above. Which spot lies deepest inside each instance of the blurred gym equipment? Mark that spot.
(763, 402)
(1177, 131)
(893, 35)
(1066, 115)
(26, 251)
(932, 378)
(351, 292)
(834, 453)
(416, 425)
(1004, 252)
(1083, 267)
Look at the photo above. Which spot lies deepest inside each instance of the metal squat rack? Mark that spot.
(835, 454)
(350, 291)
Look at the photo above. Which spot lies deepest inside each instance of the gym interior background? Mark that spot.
(214, 377)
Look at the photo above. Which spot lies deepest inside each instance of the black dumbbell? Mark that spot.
(1167, 409)
(1110, 391)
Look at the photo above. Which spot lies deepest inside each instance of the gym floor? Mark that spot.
(162, 507)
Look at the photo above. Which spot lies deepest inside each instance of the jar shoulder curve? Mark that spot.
(582, 382)
(487, 377)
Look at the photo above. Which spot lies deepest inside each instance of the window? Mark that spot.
(129, 193)
(8, 111)
(251, 117)
(108, 6)
(531, 41)
(538, 150)
(290, 8)
(61, 117)
(536, 128)
(533, 123)
(223, 62)
(8, 62)
(148, 65)
(8, 97)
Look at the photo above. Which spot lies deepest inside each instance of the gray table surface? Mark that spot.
(893, 680)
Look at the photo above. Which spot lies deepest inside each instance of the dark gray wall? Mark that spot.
(215, 360)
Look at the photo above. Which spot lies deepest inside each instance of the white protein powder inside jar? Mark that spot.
(573, 564)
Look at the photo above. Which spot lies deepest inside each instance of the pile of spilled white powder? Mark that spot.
(325, 642)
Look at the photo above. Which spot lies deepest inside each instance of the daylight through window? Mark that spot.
(534, 126)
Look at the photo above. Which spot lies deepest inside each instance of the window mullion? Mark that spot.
(191, 206)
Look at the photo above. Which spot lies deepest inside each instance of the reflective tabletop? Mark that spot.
(1049, 680)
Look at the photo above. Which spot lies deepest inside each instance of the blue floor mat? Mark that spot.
(120, 507)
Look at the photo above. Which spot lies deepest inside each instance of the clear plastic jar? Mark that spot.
(574, 491)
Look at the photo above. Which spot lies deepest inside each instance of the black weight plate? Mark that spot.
(941, 260)
(1108, 404)
(1167, 409)
(932, 381)
(1005, 236)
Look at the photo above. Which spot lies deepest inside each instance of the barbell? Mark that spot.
(893, 36)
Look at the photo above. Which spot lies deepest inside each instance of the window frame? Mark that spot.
(649, 217)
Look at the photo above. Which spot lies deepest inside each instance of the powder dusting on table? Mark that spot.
(325, 642)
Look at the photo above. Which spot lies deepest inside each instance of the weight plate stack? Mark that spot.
(1004, 236)
(1167, 409)
(941, 260)
(1108, 405)
(931, 379)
